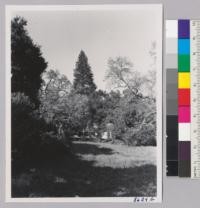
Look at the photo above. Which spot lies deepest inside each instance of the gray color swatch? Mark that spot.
(171, 46)
(172, 75)
(172, 107)
(172, 92)
(171, 61)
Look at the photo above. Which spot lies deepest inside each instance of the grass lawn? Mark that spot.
(97, 170)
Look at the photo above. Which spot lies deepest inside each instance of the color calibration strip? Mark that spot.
(172, 98)
(195, 98)
(183, 111)
(184, 119)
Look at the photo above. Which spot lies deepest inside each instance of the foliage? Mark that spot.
(26, 129)
(78, 109)
(27, 61)
(53, 93)
(30, 131)
(121, 75)
(101, 104)
(60, 104)
(83, 76)
(132, 118)
(150, 81)
(32, 138)
(147, 135)
(48, 111)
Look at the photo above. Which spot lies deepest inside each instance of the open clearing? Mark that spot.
(114, 155)
(97, 170)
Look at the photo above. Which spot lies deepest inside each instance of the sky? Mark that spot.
(101, 34)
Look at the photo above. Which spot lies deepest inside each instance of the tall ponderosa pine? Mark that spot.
(26, 60)
(83, 77)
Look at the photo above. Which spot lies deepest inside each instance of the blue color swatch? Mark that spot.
(183, 46)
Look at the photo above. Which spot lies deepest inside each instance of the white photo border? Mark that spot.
(143, 7)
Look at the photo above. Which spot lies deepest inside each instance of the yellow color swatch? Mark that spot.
(184, 80)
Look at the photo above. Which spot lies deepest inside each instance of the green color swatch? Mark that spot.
(184, 63)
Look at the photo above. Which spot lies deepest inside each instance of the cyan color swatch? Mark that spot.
(183, 46)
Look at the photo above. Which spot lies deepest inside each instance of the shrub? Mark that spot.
(31, 138)
(146, 136)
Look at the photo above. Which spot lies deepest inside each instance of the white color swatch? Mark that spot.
(184, 131)
(171, 28)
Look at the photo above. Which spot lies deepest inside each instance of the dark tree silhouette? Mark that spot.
(26, 60)
(83, 76)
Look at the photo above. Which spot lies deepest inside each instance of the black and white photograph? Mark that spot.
(84, 103)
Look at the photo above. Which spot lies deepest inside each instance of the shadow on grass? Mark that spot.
(84, 148)
(70, 177)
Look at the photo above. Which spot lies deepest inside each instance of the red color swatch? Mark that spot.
(183, 97)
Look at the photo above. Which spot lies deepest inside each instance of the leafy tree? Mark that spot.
(83, 76)
(134, 116)
(26, 60)
(52, 94)
(77, 113)
(60, 104)
(121, 75)
(134, 122)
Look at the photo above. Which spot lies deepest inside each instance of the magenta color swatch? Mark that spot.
(184, 114)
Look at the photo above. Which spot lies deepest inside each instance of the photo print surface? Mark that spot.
(84, 103)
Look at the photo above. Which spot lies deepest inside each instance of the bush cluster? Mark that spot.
(32, 137)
